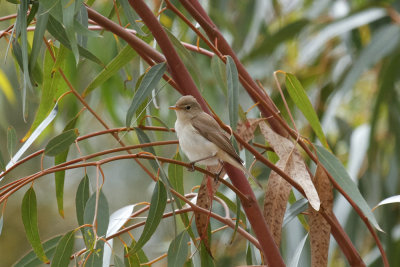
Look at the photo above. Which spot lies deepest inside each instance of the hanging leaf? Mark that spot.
(81, 198)
(136, 259)
(40, 27)
(102, 219)
(294, 261)
(117, 220)
(64, 250)
(178, 250)
(233, 91)
(300, 98)
(320, 230)
(11, 141)
(175, 174)
(219, 70)
(31, 260)
(143, 139)
(131, 15)
(157, 207)
(294, 210)
(339, 173)
(296, 169)
(120, 60)
(149, 82)
(30, 220)
(60, 175)
(61, 142)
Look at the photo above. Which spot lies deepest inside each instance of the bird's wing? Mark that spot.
(209, 129)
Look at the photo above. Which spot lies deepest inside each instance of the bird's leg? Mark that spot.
(216, 177)
(192, 163)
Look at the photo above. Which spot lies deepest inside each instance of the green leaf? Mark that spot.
(56, 29)
(68, 8)
(149, 82)
(122, 58)
(31, 260)
(294, 261)
(231, 205)
(1, 223)
(339, 173)
(102, 218)
(11, 141)
(295, 209)
(135, 259)
(233, 91)
(219, 70)
(300, 98)
(59, 176)
(178, 250)
(40, 27)
(157, 207)
(131, 15)
(143, 139)
(21, 25)
(187, 57)
(81, 198)
(61, 142)
(118, 262)
(175, 174)
(64, 250)
(53, 87)
(30, 221)
(205, 257)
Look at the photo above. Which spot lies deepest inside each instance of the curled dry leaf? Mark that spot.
(246, 129)
(205, 196)
(296, 167)
(319, 227)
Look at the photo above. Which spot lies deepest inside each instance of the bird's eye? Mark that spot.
(187, 107)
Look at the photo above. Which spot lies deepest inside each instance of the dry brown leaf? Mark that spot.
(296, 167)
(205, 196)
(246, 129)
(276, 197)
(319, 227)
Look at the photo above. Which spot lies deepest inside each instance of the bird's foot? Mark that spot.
(217, 174)
(191, 168)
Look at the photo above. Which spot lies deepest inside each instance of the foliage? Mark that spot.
(88, 95)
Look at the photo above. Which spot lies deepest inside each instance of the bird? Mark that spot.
(201, 138)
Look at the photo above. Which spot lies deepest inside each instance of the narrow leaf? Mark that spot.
(29, 218)
(339, 173)
(219, 70)
(33, 137)
(40, 27)
(389, 200)
(175, 174)
(143, 139)
(117, 220)
(149, 82)
(122, 58)
(1, 223)
(31, 260)
(61, 142)
(68, 21)
(233, 91)
(178, 250)
(56, 29)
(294, 261)
(131, 15)
(135, 259)
(59, 177)
(64, 250)
(294, 210)
(11, 141)
(300, 98)
(82, 196)
(157, 207)
(320, 230)
(296, 168)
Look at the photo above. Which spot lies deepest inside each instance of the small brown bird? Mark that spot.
(201, 138)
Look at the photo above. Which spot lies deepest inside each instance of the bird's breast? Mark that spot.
(194, 145)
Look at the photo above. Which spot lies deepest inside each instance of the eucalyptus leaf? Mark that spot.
(233, 91)
(64, 250)
(61, 142)
(178, 250)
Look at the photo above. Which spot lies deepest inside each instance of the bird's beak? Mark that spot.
(173, 107)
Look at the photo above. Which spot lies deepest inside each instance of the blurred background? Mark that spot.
(345, 53)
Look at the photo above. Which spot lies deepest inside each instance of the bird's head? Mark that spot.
(186, 107)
